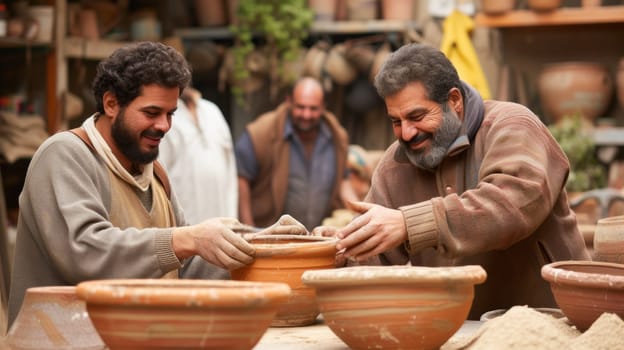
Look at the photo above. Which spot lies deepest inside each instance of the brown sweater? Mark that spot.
(268, 192)
(498, 202)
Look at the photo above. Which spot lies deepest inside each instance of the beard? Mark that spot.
(129, 145)
(442, 139)
(305, 126)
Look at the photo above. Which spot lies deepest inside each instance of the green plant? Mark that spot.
(586, 172)
(282, 24)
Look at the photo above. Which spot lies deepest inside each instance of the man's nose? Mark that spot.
(408, 131)
(163, 122)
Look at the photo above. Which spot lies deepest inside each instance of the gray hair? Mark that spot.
(418, 63)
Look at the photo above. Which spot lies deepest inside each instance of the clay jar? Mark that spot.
(181, 314)
(395, 307)
(284, 258)
(53, 318)
(497, 7)
(584, 290)
(570, 88)
(609, 239)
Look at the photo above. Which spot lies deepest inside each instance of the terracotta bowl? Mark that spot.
(284, 258)
(392, 307)
(585, 289)
(53, 317)
(176, 314)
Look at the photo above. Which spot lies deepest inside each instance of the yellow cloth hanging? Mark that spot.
(457, 46)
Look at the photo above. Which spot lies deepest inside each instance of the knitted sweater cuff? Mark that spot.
(164, 251)
(421, 226)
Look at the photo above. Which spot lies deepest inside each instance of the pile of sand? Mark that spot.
(525, 328)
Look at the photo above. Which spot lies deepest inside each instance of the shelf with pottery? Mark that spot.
(76, 47)
(318, 27)
(562, 16)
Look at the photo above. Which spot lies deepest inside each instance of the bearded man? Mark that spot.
(96, 204)
(468, 182)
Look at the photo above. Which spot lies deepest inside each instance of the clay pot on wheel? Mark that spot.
(571, 88)
(53, 318)
(284, 258)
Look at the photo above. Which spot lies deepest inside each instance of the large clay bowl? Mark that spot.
(53, 317)
(284, 258)
(395, 307)
(585, 289)
(181, 314)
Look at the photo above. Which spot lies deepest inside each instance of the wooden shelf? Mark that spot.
(17, 43)
(562, 16)
(356, 27)
(320, 27)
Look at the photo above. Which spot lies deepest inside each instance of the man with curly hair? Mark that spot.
(96, 205)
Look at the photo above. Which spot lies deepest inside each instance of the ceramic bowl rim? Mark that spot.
(58, 290)
(363, 275)
(559, 274)
(181, 292)
(610, 219)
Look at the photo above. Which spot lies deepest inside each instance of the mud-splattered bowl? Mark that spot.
(181, 314)
(394, 307)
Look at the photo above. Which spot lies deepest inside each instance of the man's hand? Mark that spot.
(375, 231)
(215, 242)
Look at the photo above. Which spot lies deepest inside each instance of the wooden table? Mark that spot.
(319, 336)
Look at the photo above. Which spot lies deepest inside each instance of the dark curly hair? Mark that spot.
(131, 67)
(418, 63)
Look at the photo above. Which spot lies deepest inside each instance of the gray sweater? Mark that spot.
(64, 233)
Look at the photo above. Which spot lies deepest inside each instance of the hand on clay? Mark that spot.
(325, 231)
(286, 225)
(215, 242)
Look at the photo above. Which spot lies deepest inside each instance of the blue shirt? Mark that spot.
(310, 182)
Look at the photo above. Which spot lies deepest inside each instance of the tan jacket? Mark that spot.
(268, 192)
(498, 202)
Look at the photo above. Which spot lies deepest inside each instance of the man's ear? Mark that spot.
(456, 102)
(110, 103)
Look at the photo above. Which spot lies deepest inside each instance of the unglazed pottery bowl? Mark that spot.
(53, 317)
(284, 258)
(395, 307)
(181, 314)
(585, 289)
